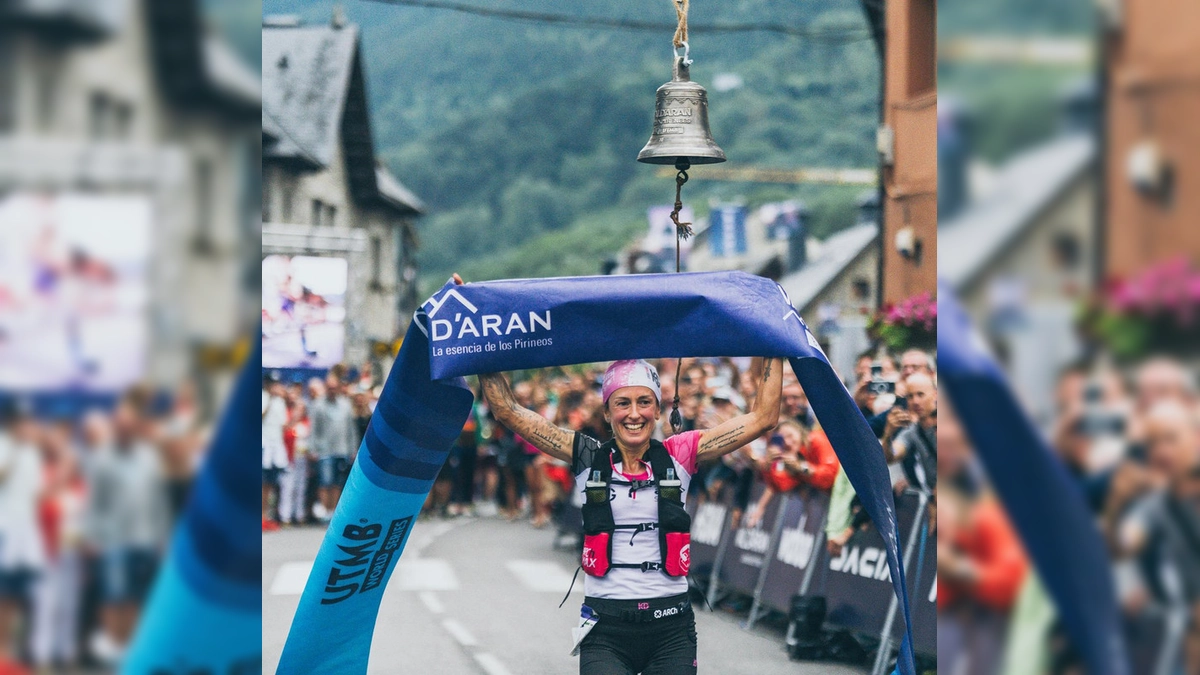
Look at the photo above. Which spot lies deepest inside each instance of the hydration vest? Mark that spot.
(673, 526)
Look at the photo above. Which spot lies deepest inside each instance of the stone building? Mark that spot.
(136, 97)
(324, 192)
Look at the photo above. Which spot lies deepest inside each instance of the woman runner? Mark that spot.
(636, 548)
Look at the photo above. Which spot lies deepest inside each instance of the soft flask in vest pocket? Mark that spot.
(598, 528)
(674, 525)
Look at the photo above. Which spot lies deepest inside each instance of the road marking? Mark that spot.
(424, 534)
(431, 602)
(291, 578)
(491, 665)
(459, 632)
(424, 574)
(540, 575)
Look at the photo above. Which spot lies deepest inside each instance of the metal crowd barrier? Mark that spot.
(785, 555)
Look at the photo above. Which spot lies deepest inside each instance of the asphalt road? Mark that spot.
(480, 595)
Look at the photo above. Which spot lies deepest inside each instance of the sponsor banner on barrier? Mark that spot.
(803, 520)
(750, 546)
(923, 580)
(858, 586)
(708, 526)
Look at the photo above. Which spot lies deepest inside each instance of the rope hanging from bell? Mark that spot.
(681, 138)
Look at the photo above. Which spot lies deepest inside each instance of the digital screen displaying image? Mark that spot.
(73, 291)
(303, 311)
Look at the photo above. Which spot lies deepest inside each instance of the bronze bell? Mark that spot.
(681, 135)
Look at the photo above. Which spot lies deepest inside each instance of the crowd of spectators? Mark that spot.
(87, 503)
(1130, 438)
(312, 431)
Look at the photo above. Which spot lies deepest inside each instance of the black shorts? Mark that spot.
(660, 647)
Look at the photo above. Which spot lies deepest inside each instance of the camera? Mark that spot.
(880, 386)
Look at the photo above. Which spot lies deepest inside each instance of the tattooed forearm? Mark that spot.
(528, 424)
(726, 440)
(550, 439)
(540, 432)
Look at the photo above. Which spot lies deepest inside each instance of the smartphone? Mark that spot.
(878, 386)
(901, 403)
(776, 439)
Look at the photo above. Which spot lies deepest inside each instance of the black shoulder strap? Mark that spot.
(584, 452)
(660, 460)
(602, 462)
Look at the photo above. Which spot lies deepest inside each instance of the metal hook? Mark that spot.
(684, 55)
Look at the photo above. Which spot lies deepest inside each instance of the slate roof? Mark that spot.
(194, 65)
(309, 74)
(88, 19)
(229, 75)
(305, 79)
(837, 252)
(1024, 187)
(393, 191)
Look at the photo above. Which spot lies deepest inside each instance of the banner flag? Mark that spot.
(1046, 506)
(204, 614)
(533, 323)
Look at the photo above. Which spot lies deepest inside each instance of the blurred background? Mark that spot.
(406, 140)
(129, 276)
(1067, 208)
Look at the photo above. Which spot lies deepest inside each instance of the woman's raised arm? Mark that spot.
(731, 435)
(552, 440)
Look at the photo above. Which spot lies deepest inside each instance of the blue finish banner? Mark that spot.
(1046, 506)
(511, 325)
(205, 611)
(412, 429)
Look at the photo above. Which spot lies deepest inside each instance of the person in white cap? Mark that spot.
(637, 616)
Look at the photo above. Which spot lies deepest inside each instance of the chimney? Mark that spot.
(338, 20)
(953, 154)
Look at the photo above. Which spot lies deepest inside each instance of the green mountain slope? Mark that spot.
(522, 138)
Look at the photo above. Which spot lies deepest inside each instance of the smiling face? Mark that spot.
(632, 412)
(792, 438)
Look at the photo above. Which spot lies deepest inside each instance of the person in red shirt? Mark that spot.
(795, 457)
(980, 562)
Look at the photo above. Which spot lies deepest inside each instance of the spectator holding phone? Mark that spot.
(910, 435)
(795, 457)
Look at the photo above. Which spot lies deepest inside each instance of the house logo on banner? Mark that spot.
(867, 562)
(514, 331)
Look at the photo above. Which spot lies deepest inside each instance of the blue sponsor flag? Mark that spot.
(532, 323)
(205, 611)
(1045, 504)
(727, 230)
